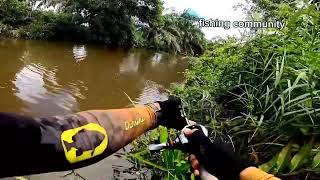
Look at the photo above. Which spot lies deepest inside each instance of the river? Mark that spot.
(41, 78)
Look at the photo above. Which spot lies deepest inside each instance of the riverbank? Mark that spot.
(122, 25)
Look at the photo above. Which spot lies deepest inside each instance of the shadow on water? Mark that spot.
(55, 78)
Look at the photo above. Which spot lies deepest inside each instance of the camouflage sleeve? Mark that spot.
(41, 145)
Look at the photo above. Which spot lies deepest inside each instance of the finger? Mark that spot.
(188, 132)
(192, 157)
(195, 164)
(196, 172)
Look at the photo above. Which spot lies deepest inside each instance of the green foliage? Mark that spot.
(14, 13)
(4, 29)
(283, 158)
(299, 159)
(316, 161)
(209, 75)
(115, 23)
(170, 164)
(176, 33)
(109, 22)
(50, 25)
(302, 160)
(270, 165)
(275, 9)
(263, 91)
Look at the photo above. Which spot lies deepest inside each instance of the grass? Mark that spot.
(263, 94)
(170, 164)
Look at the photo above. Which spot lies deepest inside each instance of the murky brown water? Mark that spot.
(51, 78)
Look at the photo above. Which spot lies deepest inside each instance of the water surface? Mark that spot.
(52, 78)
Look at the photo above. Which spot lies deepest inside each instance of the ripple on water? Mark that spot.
(46, 84)
(152, 92)
(39, 90)
(79, 52)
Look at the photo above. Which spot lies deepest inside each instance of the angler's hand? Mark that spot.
(217, 158)
(170, 114)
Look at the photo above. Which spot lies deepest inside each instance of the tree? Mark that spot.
(178, 33)
(278, 9)
(113, 21)
(116, 23)
(14, 13)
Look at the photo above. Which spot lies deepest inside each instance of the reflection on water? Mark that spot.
(157, 58)
(45, 79)
(37, 87)
(30, 84)
(130, 64)
(79, 52)
(152, 92)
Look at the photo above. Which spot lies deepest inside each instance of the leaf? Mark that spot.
(282, 105)
(267, 167)
(193, 177)
(163, 134)
(279, 70)
(298, 160)
(267, 96)
(182, 167)
(258, 126)
(316, 161)
(143, 160)
(154, 135)
(302, 75)
(166, 158)
(305, 130)
(277, 74)
(283, 158)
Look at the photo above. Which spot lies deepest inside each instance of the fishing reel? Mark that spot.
(181, 142)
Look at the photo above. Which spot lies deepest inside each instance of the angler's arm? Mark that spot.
(40, 145)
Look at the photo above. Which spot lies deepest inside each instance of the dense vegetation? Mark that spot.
(262, 93)
(111, 22)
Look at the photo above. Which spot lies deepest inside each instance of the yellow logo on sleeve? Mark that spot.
(71, 155)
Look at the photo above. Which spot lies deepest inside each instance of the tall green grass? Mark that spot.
(263, 93)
